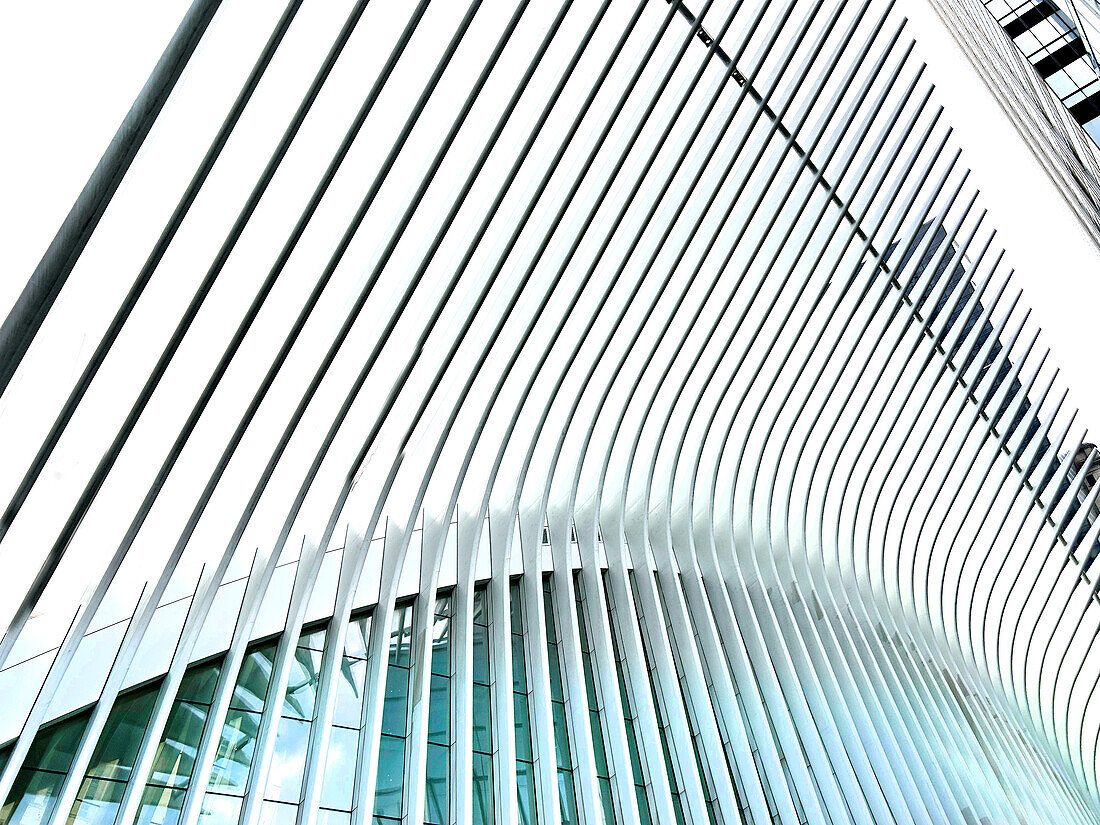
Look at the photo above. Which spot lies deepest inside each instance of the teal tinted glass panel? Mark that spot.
(229, 773)
(606, 801)
(519, 665)
(568, 798)
(515, 607)
(251, 687)
(348, 710)
(597, 743)
(548, 606)
(561, 737)
(97, 802)
(219, 809)
(288, 762)
(481, 616)
(643, 805)
(118, 745)
(483, 789)
(391, 771)
(160, 806)
(439, 711)
(339, 769)
(199, 682)
(556, 693)
(523, 727)
(525, 791)
(32, 798)
(396, 703)
(482, 720)
(481, 654)
(436, 785)
(54, 746)
(175, 757)
(301, 686)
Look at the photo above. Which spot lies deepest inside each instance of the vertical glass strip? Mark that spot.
(113, 760)
(389, 796)
(599, 746)
(174, 760)
(521, 697)
(343, 748)
(567, 793)
(237, 742)
(437, 786)
(483, 810)
(630, 715)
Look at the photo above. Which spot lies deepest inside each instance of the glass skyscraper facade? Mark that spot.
(501, 411)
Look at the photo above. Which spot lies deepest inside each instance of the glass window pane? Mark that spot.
(515, 608)
(301, 686)
(313, 639)
(401, 636)
(561, 737)
(251, 687)
(327, 817)
(441, 646)
(278, 813)
(597, 743)
(233, 758)
(160, 806)
(54, 746)
(339, 769)
(556, 694)
(606, 801)
(355, 643)
(439, 711)
(118, 745)
(391, 771)
(32, 797)
(481, 655)
(443, 605)
(482, 721)
(175, 758)
(284, 782)
(218, 809)
(568, 798)
(525, 788)
(198, 683)
(481, 618)
(523, 727)
(483, 789)
(396, 703)
(519, 665)
(349, 693)
(97, 802)
(436, 785)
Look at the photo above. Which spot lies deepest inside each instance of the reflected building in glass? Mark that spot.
(503, 412)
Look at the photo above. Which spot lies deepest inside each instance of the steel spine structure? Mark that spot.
(549, 412)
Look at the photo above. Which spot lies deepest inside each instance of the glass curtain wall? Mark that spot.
(437, 784)
(389, 799)
(483, 808)
(567, 793)
(521, 698)
(599, 748)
